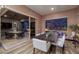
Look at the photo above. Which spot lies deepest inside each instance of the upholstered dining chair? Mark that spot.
(41, 45)
(60, 42)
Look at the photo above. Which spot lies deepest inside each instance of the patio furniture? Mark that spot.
(58, 41)
(8, 35)
(15, 33)
(41, 45)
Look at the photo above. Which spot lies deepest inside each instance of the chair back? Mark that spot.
(61, 41)
(41, 45)
(53, 36)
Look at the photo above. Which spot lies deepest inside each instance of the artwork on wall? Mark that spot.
(56, 24)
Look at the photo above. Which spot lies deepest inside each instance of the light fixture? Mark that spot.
(46, 30)
(2, 6)
(22, 20)
(5, 15)
(52, 9)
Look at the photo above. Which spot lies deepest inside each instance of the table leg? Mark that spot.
(53, 49)
(33, 50)
(15, 36)
(63, 49)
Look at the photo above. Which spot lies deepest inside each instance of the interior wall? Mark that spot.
(78, 10)
(0, 24)
(0, 29)
(78, 15)
(70, 14)
(38, 26)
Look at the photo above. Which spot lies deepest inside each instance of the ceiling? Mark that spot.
(46, 9)
(14, 15)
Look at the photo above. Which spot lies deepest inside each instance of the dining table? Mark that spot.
(15, 33)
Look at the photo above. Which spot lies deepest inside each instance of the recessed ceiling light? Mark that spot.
(5, 15)
(52, 9)
(2, 6)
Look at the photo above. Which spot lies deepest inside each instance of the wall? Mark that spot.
(38, 26)
(0, 25)
(78, 15)
(71, 15)
(78, 10)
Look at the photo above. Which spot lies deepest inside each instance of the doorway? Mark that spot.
(13, 23)
(32, 27)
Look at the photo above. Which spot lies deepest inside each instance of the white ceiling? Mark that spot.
(46, 9)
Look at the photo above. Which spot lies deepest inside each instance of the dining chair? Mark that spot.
(59, 42)
(8, 35)
(41, 45)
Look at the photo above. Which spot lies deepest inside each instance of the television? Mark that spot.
(57, 24)
(6, 25)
